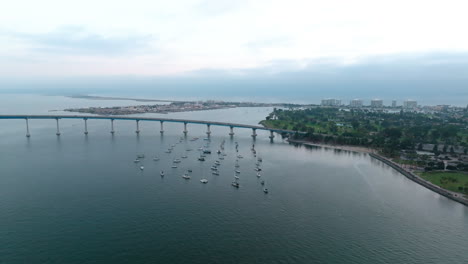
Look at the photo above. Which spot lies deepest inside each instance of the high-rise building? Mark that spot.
(355, 103)
(377, 103)
(410, 104)
(331, 102)
(394, 104)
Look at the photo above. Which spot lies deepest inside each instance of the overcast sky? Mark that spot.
(167, 38)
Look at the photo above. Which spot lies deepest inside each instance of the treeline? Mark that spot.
(390, 132)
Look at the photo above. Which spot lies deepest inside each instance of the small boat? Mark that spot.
(176, 161)
(214, 168)
(239, 156)
(184, 156)
(206, 151)
(257, 164)
(141, 156)
(265, 190)
(221, 158)
(259, 159)
(219, 151)
(189, 170)
(136, 161)
(174, 166)
(262, 182)
(168, 151)
(161, 173)
(142, 168)
(206, 139)
(224, 154)
(217, 162)
(236, 177)
(204, 181)
(215, 173)
(201, 159)
(237, 165)
(257, 169)
(258, 174)
(235, 184)
(186, 176)
(189, 149)
(155, 158)
(237, 171)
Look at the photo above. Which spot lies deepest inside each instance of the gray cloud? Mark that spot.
(75, 40)
(427, 66)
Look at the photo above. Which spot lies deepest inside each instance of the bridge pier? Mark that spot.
(232, 131)
(27, 128)
(137, 127)
(112, 127)
(208, 131)
(162, 127)
(185, 128)
(85, 126)
(271, 135)
(254, 133)
(58, 128)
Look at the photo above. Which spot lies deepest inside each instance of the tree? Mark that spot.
(420, 146)
(435, 148)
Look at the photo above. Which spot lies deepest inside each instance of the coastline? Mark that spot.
(454, 196)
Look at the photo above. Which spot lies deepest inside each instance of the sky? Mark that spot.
(55, 39)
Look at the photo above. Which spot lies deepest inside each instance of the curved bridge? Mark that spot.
(157, 119)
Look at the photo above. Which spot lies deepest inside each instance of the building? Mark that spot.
(377, 103)
(410, 104)
(394, 104)
(331, 102)
(355, 103)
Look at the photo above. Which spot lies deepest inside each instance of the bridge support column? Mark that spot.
(185, 128)
(208, 131)
(232, 131)
(254, 133)
(58, 128)
(85, 126)
(137, 127)
(27, 128)
(162, 127)
(271, 135)
(112, 126)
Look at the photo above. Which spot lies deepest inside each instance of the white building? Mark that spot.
(355, 103)
(331, 102)
(377, 103)
(394, 104)
(410, 104)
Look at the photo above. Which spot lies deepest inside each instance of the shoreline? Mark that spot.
(454, 196)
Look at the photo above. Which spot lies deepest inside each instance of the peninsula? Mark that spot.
(167, 106)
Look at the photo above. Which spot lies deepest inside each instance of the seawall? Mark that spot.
(451, 195)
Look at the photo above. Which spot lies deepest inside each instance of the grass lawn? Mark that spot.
(448, 180)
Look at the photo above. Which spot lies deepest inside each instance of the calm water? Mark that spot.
(78, 199)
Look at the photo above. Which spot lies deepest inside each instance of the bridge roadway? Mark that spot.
(138, 119)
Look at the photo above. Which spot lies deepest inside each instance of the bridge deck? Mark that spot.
(159, 119)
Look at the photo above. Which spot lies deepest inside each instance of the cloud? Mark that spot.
(422, 66)
(75, 40)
